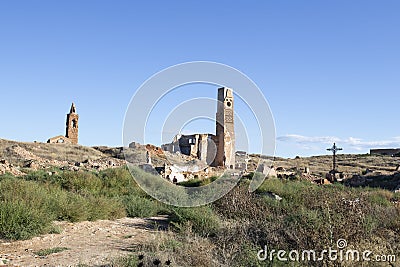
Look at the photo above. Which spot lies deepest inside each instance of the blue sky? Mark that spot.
(329, 69)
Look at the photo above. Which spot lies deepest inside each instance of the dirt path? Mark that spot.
(90, 243)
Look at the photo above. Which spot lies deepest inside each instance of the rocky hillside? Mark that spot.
(19, 157)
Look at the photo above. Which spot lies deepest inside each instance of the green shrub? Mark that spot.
(370, 223)
(6, 176)
(71, 207)
(30, 193)
(39, 176)
(81, 182)
(24, 208)
(119, 182)
(289, 190)
(380, 197)
(198, 182)
(105, 208)
(247, 256)
(202, 220)
(30, 204)
(74, 207)
(241, 204)
(142, 207)
(48, 251)
(19, 221)
(126, 261)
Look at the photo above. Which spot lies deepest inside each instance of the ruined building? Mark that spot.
(386, 152)
(215, 150)
(201, 146)
(71, 135)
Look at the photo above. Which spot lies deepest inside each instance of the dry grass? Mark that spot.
(348, 163)
(187, 249)
(69, 152)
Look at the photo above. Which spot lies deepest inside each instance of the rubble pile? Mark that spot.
(99, 164)
(6, 167)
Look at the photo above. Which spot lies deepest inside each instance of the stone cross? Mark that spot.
(334, 149)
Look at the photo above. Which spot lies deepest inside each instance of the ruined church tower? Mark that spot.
(225, 130)
(72, 125)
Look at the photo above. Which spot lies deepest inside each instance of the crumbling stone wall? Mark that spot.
(60, 139)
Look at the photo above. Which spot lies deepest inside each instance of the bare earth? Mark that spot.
(89, 243)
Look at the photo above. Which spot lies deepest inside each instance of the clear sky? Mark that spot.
(330, 70)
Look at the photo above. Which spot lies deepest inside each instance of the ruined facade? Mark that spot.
(59, 139)
(201, 146)
(71, 133)
(215, 150)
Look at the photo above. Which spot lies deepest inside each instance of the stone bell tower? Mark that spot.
(225, 129)
(72, 125)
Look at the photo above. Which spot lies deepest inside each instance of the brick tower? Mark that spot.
(225, 129)
(72, 125)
